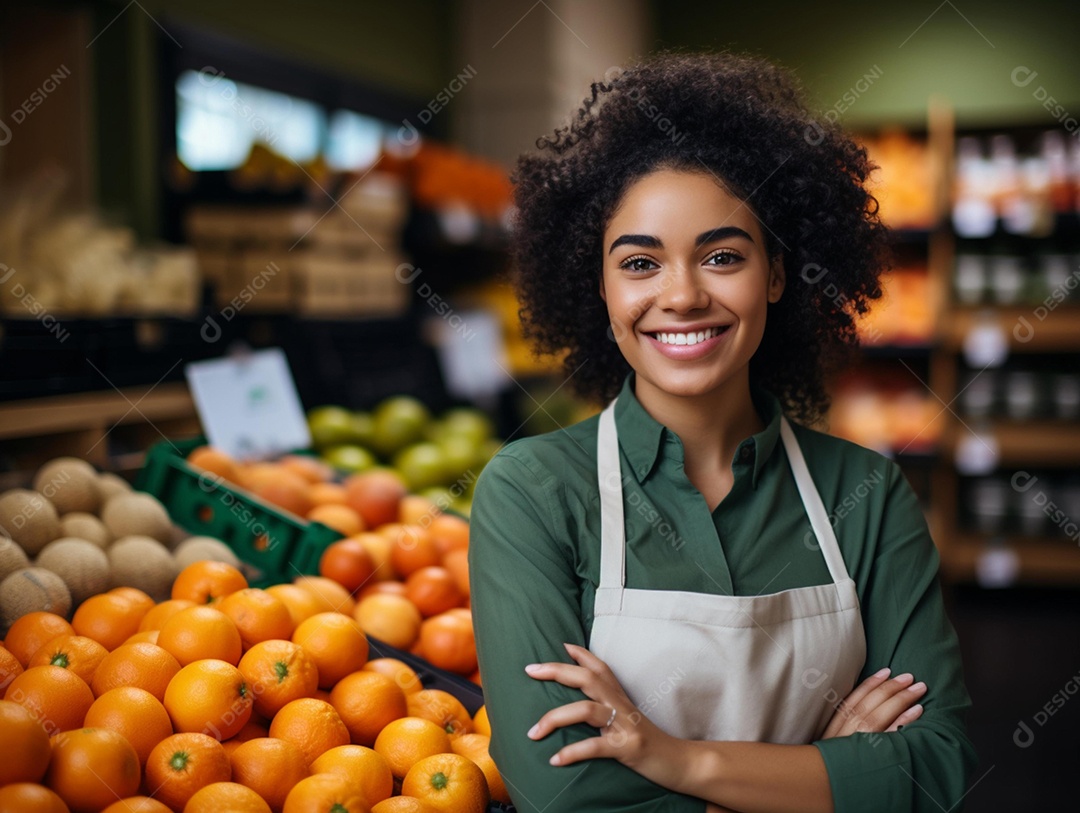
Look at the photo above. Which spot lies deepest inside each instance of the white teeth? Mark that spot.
(689, 338)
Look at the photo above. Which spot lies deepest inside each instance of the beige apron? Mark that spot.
(710, 667)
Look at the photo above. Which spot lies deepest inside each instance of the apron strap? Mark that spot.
(609, 478)
(815, 508)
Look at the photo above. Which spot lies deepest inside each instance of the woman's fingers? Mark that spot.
(568, 674)
(856, 696)
(909, 716)
(877, 709)
(582, 711)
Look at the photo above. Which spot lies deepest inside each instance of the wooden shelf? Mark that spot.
(1057, 332)
(1046, 561)
(1026, 443)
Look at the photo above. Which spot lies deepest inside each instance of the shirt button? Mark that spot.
(745, 453)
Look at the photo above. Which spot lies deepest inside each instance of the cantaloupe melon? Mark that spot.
(111, 485)
(137, 514)
(85, 526)
(28, 518)
(30, 590)
(12, 557)
(142, 562)
(82, 565)
(70, 484)
(197, 548)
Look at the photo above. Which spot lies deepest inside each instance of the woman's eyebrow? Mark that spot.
(648, 241)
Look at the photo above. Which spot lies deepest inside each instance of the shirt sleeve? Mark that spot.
(525, 605)
(927, 765)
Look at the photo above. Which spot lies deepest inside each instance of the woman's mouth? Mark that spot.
(687, 344)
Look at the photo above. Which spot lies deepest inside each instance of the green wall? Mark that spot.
(965, 51)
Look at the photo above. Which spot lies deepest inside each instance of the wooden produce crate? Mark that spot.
(336, 286)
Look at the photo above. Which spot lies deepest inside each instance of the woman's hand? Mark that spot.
(877, 705)
(630, 738)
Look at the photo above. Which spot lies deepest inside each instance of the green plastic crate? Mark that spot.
(276, 545)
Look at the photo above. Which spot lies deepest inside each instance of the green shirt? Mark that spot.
(534, 560)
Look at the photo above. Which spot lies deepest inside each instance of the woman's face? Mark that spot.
(686, 280)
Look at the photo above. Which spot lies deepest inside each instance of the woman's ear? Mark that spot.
(777, 278)
(603, 293)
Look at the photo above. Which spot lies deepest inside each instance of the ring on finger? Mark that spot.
(611, 719)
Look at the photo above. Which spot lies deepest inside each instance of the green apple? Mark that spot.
(349, 458)
(422, 465)
(398, 422)
(330, 426)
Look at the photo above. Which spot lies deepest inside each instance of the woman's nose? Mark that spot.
(681, 291)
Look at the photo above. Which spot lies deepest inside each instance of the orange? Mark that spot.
(367, 701)
(156, 617)
(258, 615)
(137, 804)
(135, 596)
(144, 637)
(481, 725)
(390, 587)
(375, 495)
(134, 713)
(392, 619)
(417, 510)
(335, 642)
(146, 666)
(348, 563)
(325, 793)
(475, 678)
(230, 796)
(270, 767)
(448, 782)
(108, 618)
(32, 631)
(57, 698)
(475, 747)
(91, 768)
(457, 562)
(201, 632)
(216, 462)
(326, 494)
(182, 764)
(279, 486)
(278, 672)
(443, 709)
(366, 769)
(378, 547)
(400, 672)
(332, 597)
(341, 518)
(206, 581)
(449, 533)
(298, 601)
(407, 740)
(29, 797)
(10, 668)
(252, 730)
(24, 745)
(411, 548)
(209, 696)
(313, 726)
(81, 655)
(403, 804)
(433, 591)
(310, 468)
(448, 642)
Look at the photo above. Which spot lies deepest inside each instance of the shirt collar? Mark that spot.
(642, 438)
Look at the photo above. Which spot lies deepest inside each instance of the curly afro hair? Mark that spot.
(743, 120)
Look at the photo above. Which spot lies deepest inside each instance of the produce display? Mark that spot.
(140, 670)
(228, 697)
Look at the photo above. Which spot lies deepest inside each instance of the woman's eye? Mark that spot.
(638, 264)
(724, 258)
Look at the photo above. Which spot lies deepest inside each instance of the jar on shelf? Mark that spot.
(977, 396)
(1007, 279)
(970, 279)
(1065, 396)
(990, 497)
(1022, 395)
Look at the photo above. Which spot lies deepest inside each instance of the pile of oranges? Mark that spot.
(227, 697)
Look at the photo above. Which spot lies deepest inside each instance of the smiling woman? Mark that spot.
(668, 614)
